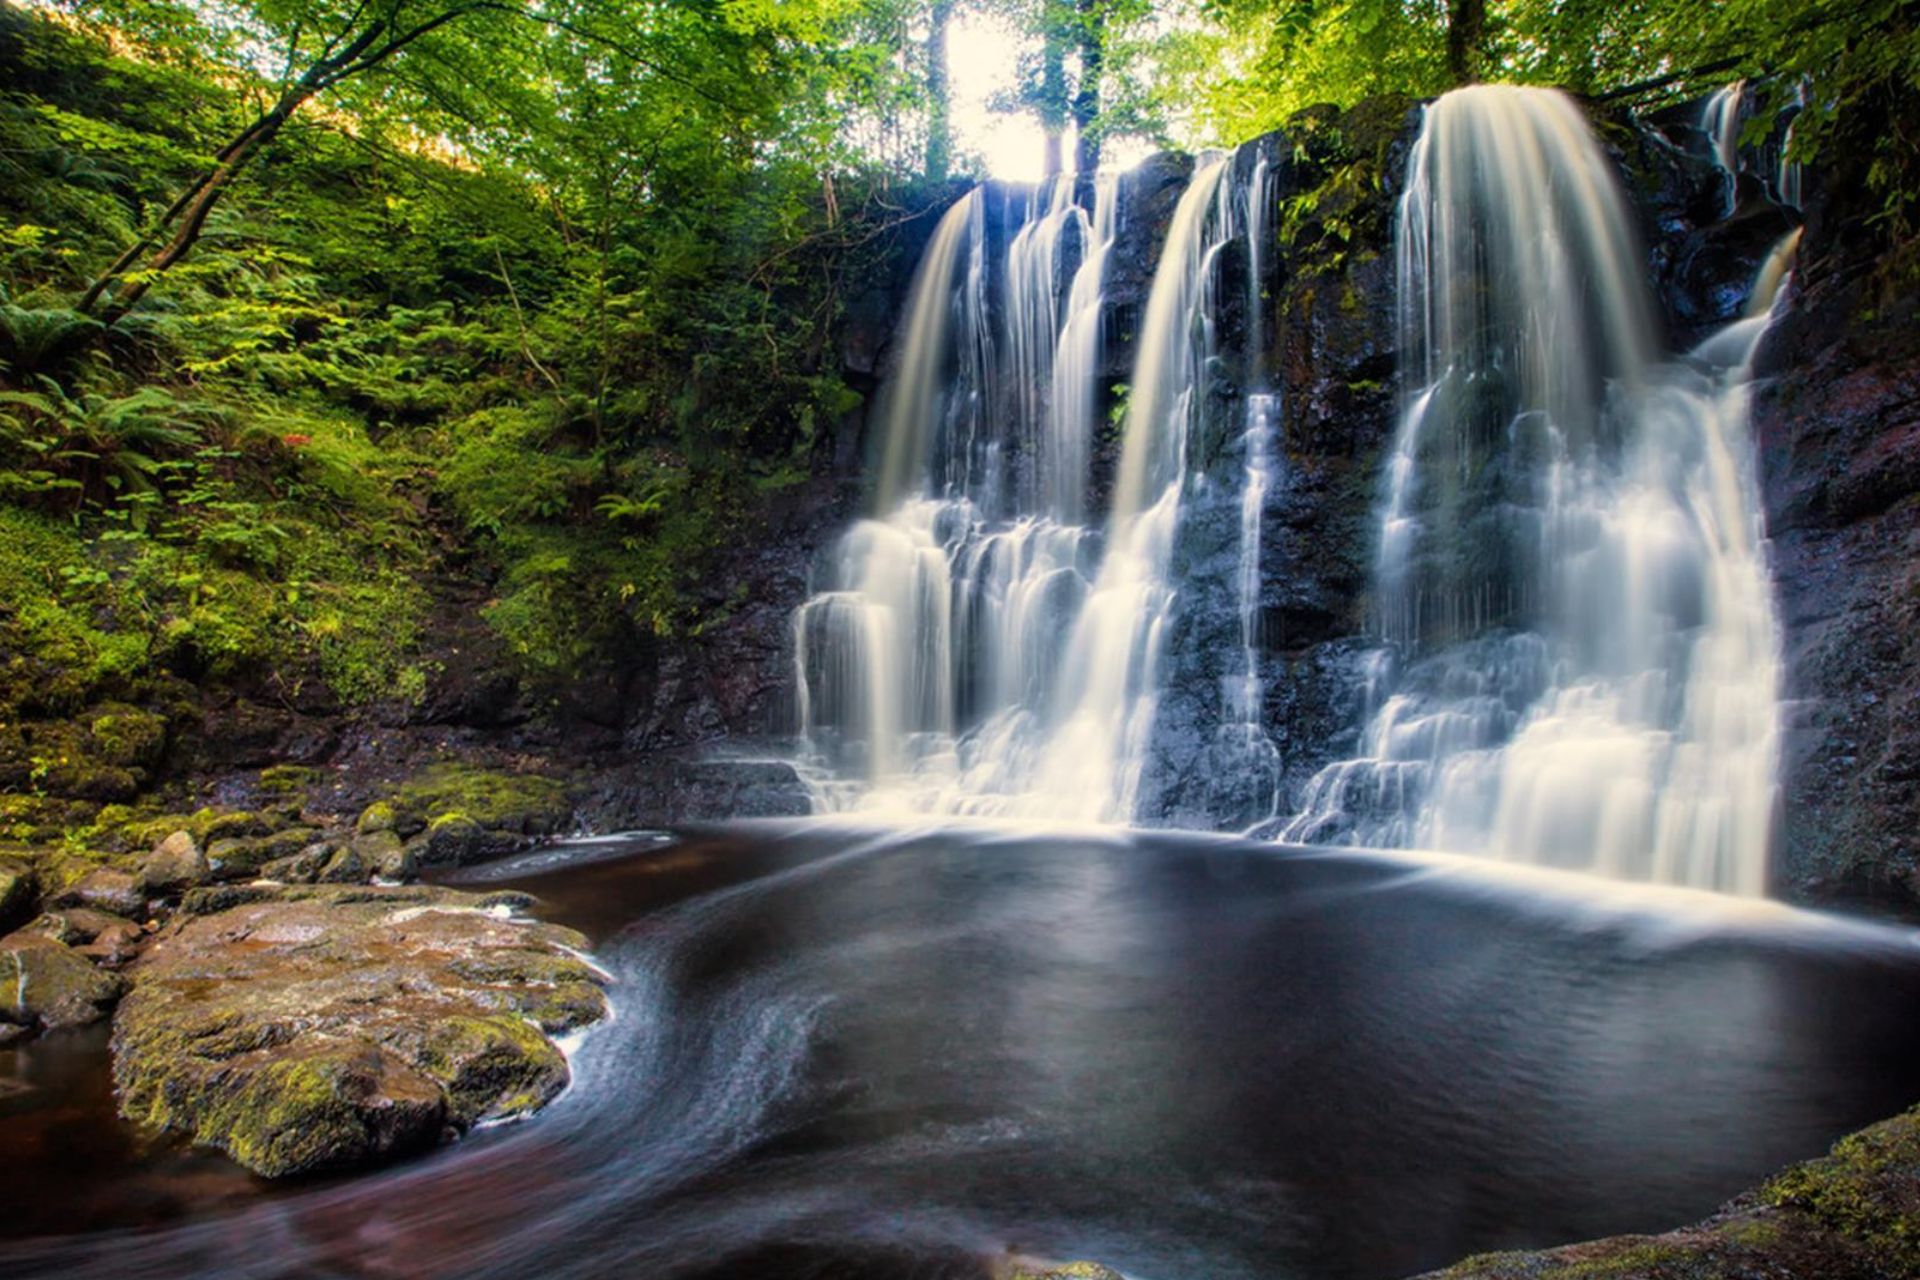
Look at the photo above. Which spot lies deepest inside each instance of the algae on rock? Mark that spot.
(305, 1028)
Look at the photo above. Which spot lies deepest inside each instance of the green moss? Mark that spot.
(289, 779)
(126, 735)
(1865, 1190)
(493, 1067)
(378, 816)
(525, 803)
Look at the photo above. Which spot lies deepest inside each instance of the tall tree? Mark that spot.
(1090, 36)
(1466, 31)
(939, 93)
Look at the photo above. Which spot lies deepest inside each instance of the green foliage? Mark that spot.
(555, 295)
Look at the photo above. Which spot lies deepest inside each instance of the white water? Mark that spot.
(980, 649)
(1108, 694)
(1582, 664)
(928, 673)
(1244, 745)
(1724, 118)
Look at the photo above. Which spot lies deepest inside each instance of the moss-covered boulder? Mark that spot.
(516, 803)
(1066, 1271)
(1853, 1215)
(242, 857)
(383, 855)
(454, 839)
(301, 1028)
(45, 984)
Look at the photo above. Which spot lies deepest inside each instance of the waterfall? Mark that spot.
(1724, 117)
(1243, 747)
(1109, 691)
(1580, 661)
(925, 671)
(980, 646)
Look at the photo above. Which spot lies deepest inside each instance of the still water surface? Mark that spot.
(850, 1053)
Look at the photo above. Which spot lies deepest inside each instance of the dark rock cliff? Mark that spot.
(1837, 419)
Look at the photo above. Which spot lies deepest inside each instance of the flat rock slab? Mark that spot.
(317, 1027)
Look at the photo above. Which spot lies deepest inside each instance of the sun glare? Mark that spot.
(983, 68)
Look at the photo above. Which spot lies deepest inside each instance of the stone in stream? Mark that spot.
(105, 889)
(45, 984)
(304, 1028)
(77, 926)
(175, 865)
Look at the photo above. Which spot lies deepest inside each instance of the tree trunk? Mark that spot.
(1090, 29)
(1466, 28)
(1053, 84)
(939, 125)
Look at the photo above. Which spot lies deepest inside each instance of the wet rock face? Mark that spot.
(300, 1029)
(1838, 423)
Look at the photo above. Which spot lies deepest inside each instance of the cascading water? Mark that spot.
(1723, 119)
(1582, 663)
(1109, 692)
(981, 650)
(1243, 746)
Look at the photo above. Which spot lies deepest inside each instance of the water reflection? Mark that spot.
(842, 1052)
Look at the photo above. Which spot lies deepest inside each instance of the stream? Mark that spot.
(848, 1051)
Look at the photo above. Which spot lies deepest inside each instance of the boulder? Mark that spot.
(382, 854)
(378, 816)
(454, 840)
(303, 867)
(303, 1028)
(1847, 1216)
(76, 926)
(242, 857)
(18, 887)
(45, 984)
(175, 865)
(343, 866)
(115, 945)
(105, 889)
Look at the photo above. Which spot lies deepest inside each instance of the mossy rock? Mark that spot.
(302, 1108)
(378, 816)
(493, 1068)
(384, 855)
(1853, 1215)
(46, 984)
(240, 857)
(522, 804)
(1069, 1271)
(289, 780)
(127, 736)
(454, 839)
(303, 1028)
